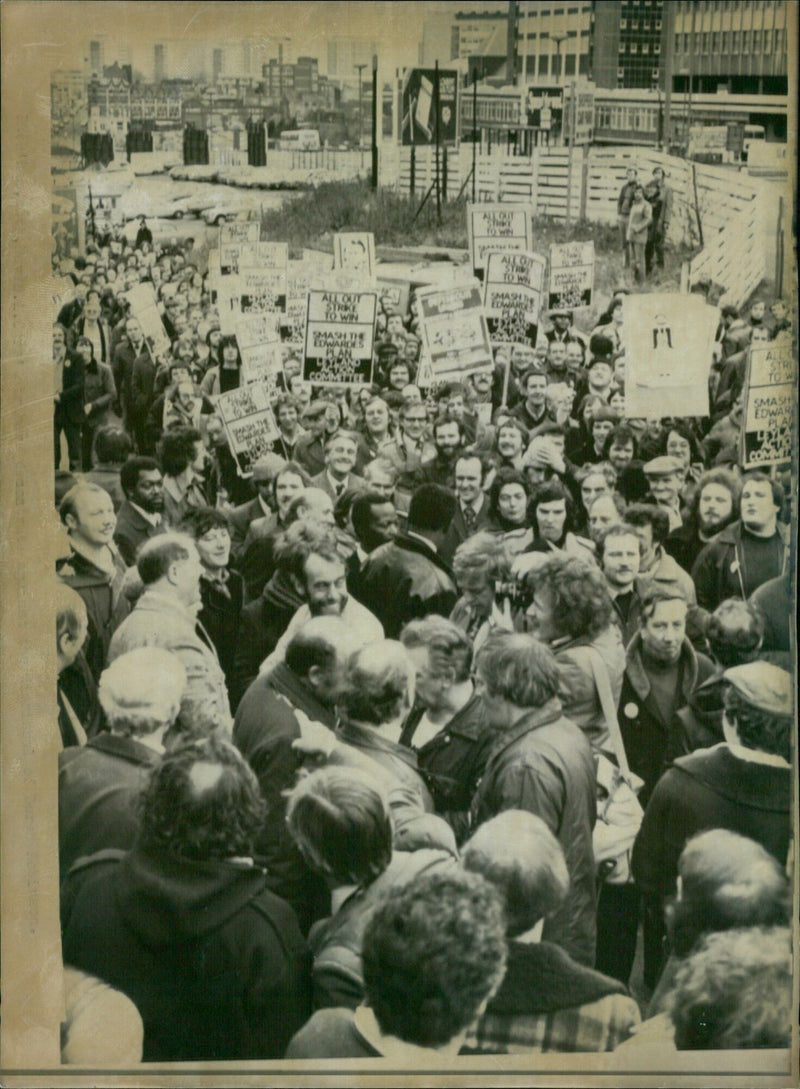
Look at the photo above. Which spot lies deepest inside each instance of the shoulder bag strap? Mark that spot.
(603, 685)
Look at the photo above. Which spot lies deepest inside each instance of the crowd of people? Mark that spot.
(340, 737)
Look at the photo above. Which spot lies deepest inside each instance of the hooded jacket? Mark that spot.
(213, 961)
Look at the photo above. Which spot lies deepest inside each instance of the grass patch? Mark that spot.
(311, 219)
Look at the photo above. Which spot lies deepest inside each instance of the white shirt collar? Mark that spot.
(339, 486)
(267, 509)
(154, 519)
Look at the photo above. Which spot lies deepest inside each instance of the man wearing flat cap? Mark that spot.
(665, 477)
(744, 784)
(264, 472)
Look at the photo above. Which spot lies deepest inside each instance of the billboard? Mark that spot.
(418, 107)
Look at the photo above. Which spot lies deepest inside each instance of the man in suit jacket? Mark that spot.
(166, 616)
(264, 473)
(407, 578)
(68, 414)
(127, 351)
(340, 458)
(141, 515)
(472, 510)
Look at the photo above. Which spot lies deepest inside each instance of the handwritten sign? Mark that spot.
(394, 295)
(497, 228)
(454, 331)
(512, 292)
(258, 337)
(669, 340)
(293, 324)
(340, 334)
(571, 275)
(262, 291)
(770, 396)
(354, 251)
(246, 414)
(142, 300)
(239, 233)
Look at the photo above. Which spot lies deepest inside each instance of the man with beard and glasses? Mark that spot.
(141, 515)
(715, 506)
(748, 552)
(448, 438)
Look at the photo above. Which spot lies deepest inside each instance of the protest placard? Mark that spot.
(229, 255)
(142, 300)
(571, 275)
(354, 251)
(454, 331)
(258, 337)
(237, 233)
(228, 291)
(264, 255)
(497, 228)
(769, 400)
(262, 291)
(512, 291)
(340, 333)
(394, 294)
(293, 322)
(246, 414)
(669, 342)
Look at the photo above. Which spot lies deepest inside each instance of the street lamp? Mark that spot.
(558, 39)
(360, 68)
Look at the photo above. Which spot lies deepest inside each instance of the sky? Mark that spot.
(395, 27)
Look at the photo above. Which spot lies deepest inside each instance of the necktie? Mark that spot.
(339, 490)
(469, 517)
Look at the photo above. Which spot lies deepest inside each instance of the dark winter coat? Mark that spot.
(644, 733)
(264, 729)
(404, 580)
(261, 624)
(718, 572)
(213, 961)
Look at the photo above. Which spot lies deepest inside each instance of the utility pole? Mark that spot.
(668, 52)
(375, 120)
(360, 68)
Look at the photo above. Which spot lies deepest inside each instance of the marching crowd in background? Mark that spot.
(468, 709)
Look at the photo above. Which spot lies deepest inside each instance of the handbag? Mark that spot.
(619, 812)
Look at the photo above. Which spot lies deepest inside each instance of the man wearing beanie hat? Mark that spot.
(98, 783)
(744, 784)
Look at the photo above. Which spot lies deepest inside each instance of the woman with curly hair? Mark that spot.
(572, 612)
(482, 567)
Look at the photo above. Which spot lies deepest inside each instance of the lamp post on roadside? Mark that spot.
(359, 68)
(558, 39)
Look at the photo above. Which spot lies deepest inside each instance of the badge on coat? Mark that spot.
(630, 710)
